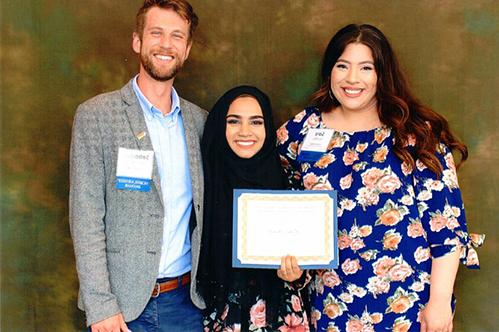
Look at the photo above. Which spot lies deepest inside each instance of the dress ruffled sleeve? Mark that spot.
(442, 213)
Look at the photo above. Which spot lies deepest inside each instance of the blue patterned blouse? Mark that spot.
(392, 221)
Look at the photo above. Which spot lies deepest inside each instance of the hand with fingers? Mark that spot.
(114, 323)
(289, 270)
(437, 317)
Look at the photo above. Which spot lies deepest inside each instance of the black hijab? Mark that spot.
(223, 172)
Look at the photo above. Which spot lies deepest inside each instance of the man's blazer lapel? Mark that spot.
(138, 126)
(193, 149)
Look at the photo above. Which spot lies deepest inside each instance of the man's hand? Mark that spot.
(289, 271)
(114, 323)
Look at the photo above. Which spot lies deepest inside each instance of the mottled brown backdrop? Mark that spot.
(57, 53)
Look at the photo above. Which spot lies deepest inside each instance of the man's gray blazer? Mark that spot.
(117, 234)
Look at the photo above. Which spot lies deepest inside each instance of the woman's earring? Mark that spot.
(330, 94)
(329, 89)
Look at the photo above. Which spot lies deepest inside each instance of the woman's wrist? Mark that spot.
(440, 299)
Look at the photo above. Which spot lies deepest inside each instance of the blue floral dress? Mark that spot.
(391, 220)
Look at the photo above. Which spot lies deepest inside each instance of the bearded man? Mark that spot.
(136, 194)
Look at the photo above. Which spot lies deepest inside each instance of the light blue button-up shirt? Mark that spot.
(170, 149)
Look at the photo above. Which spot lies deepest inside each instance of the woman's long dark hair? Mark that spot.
(397, 106)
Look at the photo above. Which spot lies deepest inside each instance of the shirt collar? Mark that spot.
(149, 109)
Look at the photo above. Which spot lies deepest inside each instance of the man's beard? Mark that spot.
(155, 73)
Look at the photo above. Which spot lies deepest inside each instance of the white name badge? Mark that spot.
(134, 169)
(315, 144)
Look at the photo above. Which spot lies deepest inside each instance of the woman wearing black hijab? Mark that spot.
(239, 151)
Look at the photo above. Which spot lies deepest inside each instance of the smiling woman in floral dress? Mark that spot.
(401, 221)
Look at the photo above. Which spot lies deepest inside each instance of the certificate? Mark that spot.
(269, 224)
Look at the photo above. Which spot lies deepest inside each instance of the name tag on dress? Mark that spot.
(134, 169)
(315, 144)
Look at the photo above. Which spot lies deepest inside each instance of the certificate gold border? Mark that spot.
(328, 255)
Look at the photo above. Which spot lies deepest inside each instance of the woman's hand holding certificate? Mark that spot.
(289, 271)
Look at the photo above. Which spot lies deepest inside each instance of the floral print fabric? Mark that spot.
(292, 317)
(392, 220)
